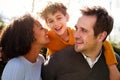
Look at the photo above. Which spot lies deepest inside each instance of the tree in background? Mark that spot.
(2, 63)
(1, 22)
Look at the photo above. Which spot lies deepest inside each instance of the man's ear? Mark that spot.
(102, 36)
(67, 17)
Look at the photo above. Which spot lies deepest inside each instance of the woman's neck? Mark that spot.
(32, 55)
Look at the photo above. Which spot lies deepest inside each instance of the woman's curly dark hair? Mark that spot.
(17, 37)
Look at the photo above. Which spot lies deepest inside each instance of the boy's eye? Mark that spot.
(59, 18)
(50, 21)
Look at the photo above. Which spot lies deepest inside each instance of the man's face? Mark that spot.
(57, 22)
(85, 41)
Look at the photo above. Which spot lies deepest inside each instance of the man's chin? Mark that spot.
(78, 48)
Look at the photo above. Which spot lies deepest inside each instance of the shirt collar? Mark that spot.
(91, 64)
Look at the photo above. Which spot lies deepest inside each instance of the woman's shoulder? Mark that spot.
(15, 62)
(13, 69)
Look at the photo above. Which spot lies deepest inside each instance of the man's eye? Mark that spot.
(84, 30)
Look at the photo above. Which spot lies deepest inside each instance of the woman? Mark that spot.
(21, 43)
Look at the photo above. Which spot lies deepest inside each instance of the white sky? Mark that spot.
(13, 8)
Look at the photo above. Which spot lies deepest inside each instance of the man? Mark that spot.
(84, 60)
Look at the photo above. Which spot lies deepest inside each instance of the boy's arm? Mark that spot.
(109, 54)
(111, 61)
(114, 73)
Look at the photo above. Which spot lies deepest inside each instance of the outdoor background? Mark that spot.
(13, 8)
(10, 9)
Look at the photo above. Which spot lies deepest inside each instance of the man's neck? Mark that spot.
(93, 54)
(90, 62)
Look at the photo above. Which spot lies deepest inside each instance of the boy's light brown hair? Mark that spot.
(52, 8)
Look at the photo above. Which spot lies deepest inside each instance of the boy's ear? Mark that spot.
(47, 23)
(67, 17)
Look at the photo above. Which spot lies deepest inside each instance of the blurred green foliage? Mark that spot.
(2, 63)
(1, 25)
(116, 47)
(43, 52)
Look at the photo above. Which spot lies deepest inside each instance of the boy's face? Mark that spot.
(57, 22)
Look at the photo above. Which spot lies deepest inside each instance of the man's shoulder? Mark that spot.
(66, 50)
(60, 56)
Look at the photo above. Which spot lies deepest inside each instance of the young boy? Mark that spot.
(61, 36)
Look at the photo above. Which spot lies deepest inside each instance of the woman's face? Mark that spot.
(40, 34)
